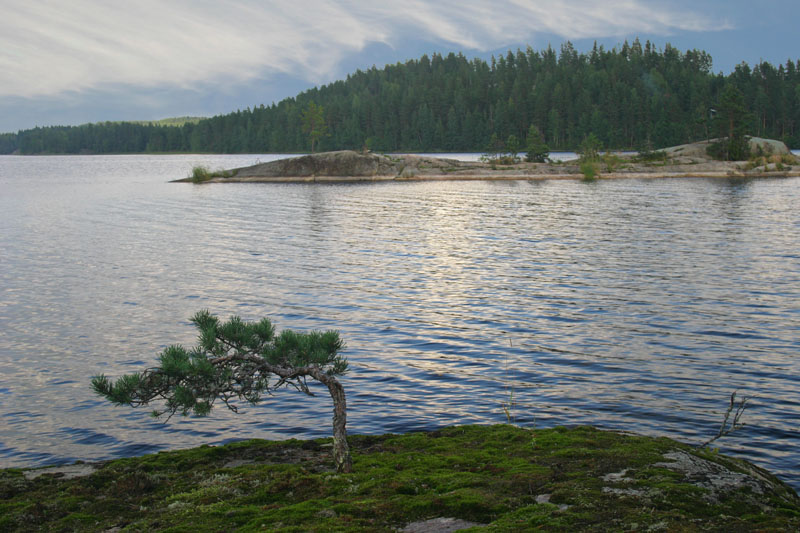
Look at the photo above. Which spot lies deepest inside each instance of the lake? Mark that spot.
(638, 305)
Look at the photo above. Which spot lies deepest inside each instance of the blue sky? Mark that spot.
(89, 60)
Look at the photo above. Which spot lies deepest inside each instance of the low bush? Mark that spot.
(202, 173)
(657, 156)
(589, 170)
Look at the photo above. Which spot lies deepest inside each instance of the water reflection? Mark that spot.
(638, 305)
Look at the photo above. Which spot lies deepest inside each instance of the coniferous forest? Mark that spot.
(632, 97)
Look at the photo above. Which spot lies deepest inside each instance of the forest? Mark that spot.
(630, 97)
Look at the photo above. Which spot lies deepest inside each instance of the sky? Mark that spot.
(72, 62)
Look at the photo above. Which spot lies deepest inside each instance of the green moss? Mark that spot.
(487, 474)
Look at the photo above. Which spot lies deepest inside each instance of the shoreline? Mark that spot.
(690, 161)
(503, 477)
(498, 177)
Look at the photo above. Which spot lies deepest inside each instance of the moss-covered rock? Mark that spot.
(502, 478)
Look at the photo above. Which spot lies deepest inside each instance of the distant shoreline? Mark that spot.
(685, 161)
(497, 177)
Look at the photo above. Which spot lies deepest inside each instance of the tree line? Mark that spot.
(631, 97)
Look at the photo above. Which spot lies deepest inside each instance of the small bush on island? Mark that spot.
(201, 173)
(651, 156)
(537, 150)
(235, 360)
(501, 153)
(611, 161)
(589, 149)
(589, 170)
(512, 148)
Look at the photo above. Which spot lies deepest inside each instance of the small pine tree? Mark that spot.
(494, 148)
(235, 360)
(512, 147)
(590, 148)
(314, 123)
(537, 150)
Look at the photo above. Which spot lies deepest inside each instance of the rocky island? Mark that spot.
(689, 160)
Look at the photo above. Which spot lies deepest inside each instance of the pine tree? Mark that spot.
(538, 151)
(235, 360)
(590, 148)
(732, 124)
(314, 123)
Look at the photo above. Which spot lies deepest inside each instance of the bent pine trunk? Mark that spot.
(341, 450)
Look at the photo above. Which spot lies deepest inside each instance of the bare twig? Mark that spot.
(728, 428)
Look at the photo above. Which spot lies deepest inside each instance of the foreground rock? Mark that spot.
(492, 478)
(688, 160)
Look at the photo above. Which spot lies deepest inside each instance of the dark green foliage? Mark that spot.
(623, 96)
(512, 147)
(236, 360)
(8, 143)
(314, 123)
(537, 150)
(589, 149)
(233, 359)
(501, 153)
(732, 124)
(494, 149)
(651, 156)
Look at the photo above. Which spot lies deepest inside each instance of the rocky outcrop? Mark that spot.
(688, 160)
(343, 163)
(699, 150)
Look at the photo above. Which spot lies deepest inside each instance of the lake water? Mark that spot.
(629, 304)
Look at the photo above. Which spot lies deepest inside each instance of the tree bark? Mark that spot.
(341, 450)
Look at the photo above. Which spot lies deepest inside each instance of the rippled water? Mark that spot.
(629, 304)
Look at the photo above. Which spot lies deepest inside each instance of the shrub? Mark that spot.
(611, 161)
(589, 170)
(651, 156)
(200, 174)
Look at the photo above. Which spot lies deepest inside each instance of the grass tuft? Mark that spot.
(201, 173)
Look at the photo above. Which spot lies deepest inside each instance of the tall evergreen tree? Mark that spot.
(314, 123)
(732, 124)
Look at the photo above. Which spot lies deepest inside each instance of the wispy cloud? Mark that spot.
(48, 47)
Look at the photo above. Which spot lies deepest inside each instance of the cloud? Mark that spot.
(49, 47)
